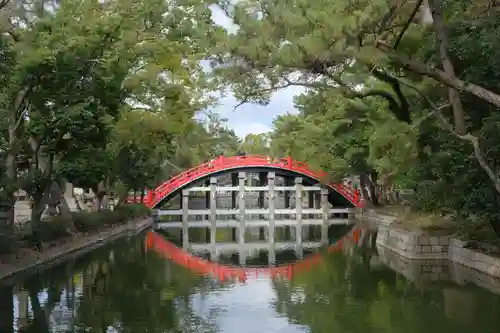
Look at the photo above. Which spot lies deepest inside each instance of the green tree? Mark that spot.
(255, 144)
(69, 72)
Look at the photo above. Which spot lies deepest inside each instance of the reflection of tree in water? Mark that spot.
(346, 295)
(130, 291)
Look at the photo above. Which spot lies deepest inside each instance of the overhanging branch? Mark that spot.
(439, 75)
(473, 140)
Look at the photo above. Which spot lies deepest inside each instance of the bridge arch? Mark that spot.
(224, 164)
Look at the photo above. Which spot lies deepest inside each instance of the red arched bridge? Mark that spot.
(157, 243)
(225, 164)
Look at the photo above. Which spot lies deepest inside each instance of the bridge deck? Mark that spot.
(250, 223)
(174, 212)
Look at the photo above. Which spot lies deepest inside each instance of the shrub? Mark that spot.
(86, 221)
(49, 229)
(58, 227)
(133, 211)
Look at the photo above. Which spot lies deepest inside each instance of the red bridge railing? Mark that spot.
(222, 163)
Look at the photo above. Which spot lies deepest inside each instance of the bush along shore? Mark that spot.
(58, 230)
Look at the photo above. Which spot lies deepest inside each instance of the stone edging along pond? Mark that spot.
(418, 245)
(56, 255)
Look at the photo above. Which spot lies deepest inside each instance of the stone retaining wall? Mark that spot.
(413, 245)
(420, 246)
(416, 270)
(460, 254)
(422, 271)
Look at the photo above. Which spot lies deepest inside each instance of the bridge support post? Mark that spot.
(207, 198)
(207, 194)
(213, 212)
(286, 195)
(241, 203)
(310, 199)
(234, 182)
(298, 212)
(325, 212)
(271, 178)
(185, 219)
(262, 182)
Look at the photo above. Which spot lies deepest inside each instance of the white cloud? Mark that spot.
(251, 118)
(254, 118)
(253, 128)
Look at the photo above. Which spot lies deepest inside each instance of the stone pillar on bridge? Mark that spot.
(185, 219)
(241, 203)
(298, 213)
(325, 216)
(213, 212)
(271, 178)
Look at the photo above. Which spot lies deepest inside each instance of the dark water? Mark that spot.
(124, 288)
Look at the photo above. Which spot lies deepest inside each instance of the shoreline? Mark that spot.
(72, 248)
(417, 245)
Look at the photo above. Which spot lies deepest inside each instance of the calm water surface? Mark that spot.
(124, 288)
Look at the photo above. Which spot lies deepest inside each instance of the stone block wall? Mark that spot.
(421, 271)
(413, 245)
(482, 262)
(417, 245)
(417, 270)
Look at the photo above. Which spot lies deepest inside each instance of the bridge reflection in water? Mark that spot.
(168, 249)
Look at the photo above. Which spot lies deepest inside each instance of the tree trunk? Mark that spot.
(442, 47)
(142, 195)
(40, 323)
(39, 202)
(99, 193)
(364, 183)
(15, 121)
(10, 172)
(374, 187)
(60, 200)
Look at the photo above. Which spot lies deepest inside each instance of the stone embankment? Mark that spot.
(419, 245)
(72, 248)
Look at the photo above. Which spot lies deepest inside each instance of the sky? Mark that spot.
(245, 308)
(251, 118)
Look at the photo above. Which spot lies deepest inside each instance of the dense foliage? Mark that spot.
(108, 96)
(103, 95)
(400, 93)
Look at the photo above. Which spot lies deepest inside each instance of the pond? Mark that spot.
(128, 288)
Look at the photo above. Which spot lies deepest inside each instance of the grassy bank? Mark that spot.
(409, 219)
(58, 230)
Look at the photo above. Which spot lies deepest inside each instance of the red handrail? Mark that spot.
(222, 163)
